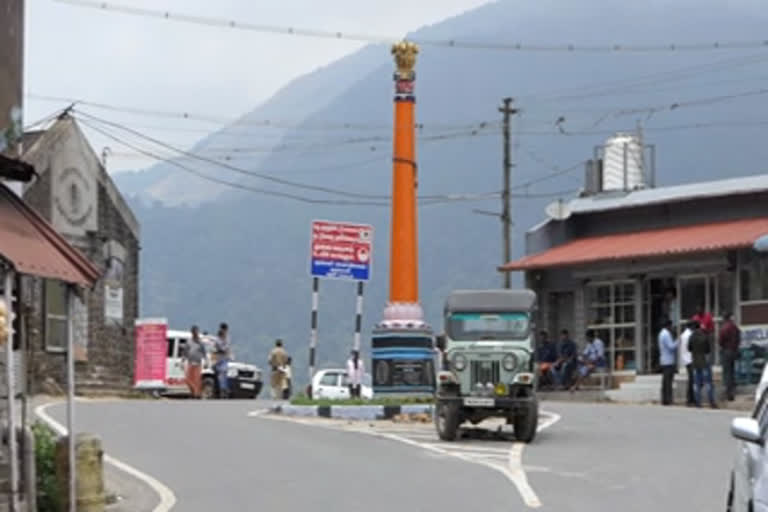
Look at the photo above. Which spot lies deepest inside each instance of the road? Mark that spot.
(596, 457)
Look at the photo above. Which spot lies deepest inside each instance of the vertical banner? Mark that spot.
(11, 74)
(151, 349)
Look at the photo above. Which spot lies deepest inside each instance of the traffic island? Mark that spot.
(414, 412)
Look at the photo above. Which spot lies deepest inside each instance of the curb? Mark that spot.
(352, 412)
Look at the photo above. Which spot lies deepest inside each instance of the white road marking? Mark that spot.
(257, 412)
(167, 498)
(507, 461)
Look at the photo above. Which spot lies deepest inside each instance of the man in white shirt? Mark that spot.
(686, 361)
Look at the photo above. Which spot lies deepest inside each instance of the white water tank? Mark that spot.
(623, 165)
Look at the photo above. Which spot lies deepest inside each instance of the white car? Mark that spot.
(748, 490)
(333, 384)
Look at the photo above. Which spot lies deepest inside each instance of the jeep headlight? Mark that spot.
(231, 372)
(509, 362)
(459, 362)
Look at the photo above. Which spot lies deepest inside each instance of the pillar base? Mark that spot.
(403, 315)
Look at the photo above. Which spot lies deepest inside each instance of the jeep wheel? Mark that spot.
(527, 422)
(209, 388)
(447, 420)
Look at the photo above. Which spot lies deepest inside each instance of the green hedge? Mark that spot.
(48, 496)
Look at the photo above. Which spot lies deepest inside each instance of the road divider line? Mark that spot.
(167, 498)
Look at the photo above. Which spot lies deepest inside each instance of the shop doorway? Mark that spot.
(561, 317)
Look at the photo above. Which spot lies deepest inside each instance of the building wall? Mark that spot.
(104, 225)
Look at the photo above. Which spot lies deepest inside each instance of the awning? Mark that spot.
(682, 240)
(33, 247)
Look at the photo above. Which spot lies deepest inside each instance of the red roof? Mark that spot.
(33, 247)
(646, 244)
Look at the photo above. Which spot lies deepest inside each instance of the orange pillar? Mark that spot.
(404, 265)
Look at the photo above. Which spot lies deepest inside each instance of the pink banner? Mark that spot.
(151, 349)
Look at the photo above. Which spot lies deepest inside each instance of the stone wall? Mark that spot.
(110, 346)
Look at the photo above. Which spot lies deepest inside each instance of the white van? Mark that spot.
(244, 379)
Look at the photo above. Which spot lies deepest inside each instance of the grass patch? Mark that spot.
(304, 400)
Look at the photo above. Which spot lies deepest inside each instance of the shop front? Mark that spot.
(624, 286)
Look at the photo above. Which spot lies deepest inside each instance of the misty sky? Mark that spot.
(155, 64)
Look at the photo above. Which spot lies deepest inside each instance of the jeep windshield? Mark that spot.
(488, 326)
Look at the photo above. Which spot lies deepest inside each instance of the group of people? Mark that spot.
(561, 365)
(693, 350)
(194, 354)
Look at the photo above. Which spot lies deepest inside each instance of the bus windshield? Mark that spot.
(485, 326)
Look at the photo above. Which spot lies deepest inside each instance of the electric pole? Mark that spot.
(506, 199)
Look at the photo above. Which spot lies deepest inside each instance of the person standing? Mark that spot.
(686, 360)
(355, 372)
(705, 320)
(277, 359)
(287, 378)
(667, 353)
(730, 340)
(701, 348)
(194, 355)
(222, 349)
(562, 369)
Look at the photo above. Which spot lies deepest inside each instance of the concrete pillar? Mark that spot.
(89, 467)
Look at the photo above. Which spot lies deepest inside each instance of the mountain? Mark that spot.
(242, 257)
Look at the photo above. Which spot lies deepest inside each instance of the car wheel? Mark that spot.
(447, 420)
(209, 389)
(729, 500)
(527, 423)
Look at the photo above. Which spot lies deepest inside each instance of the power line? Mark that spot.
(445, 43)
(603, 88)
(263, 123)
(371, 199)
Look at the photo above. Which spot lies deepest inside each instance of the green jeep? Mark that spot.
(487, 366)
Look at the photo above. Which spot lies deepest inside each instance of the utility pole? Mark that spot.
(506, 199)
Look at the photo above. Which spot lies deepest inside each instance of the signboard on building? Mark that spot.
(11, 73)
(341, 250)
(151, 349)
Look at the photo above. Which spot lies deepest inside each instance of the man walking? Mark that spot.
(194, 354)
(730, 340)
(222, 348)
(686, 361)
(701, 348)
(277, 360)
(667, 352)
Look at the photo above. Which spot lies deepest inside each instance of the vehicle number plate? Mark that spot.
(472, 401)
(247, 385)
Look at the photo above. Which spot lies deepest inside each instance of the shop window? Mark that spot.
(754, 277)
(56, 324)
(611, 314)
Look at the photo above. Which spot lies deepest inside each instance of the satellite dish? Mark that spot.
(761, 244)
(558, 210)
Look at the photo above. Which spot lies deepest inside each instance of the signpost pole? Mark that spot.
(313, 327)
(358, 315)
(71, 400)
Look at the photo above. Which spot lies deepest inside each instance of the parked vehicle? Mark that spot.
(488, 357)
(333, 384)
(748, 490)
(244, 379)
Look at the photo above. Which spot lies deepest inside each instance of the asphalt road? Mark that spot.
(595, 458)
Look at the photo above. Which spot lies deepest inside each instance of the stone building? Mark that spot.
(76, 195)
